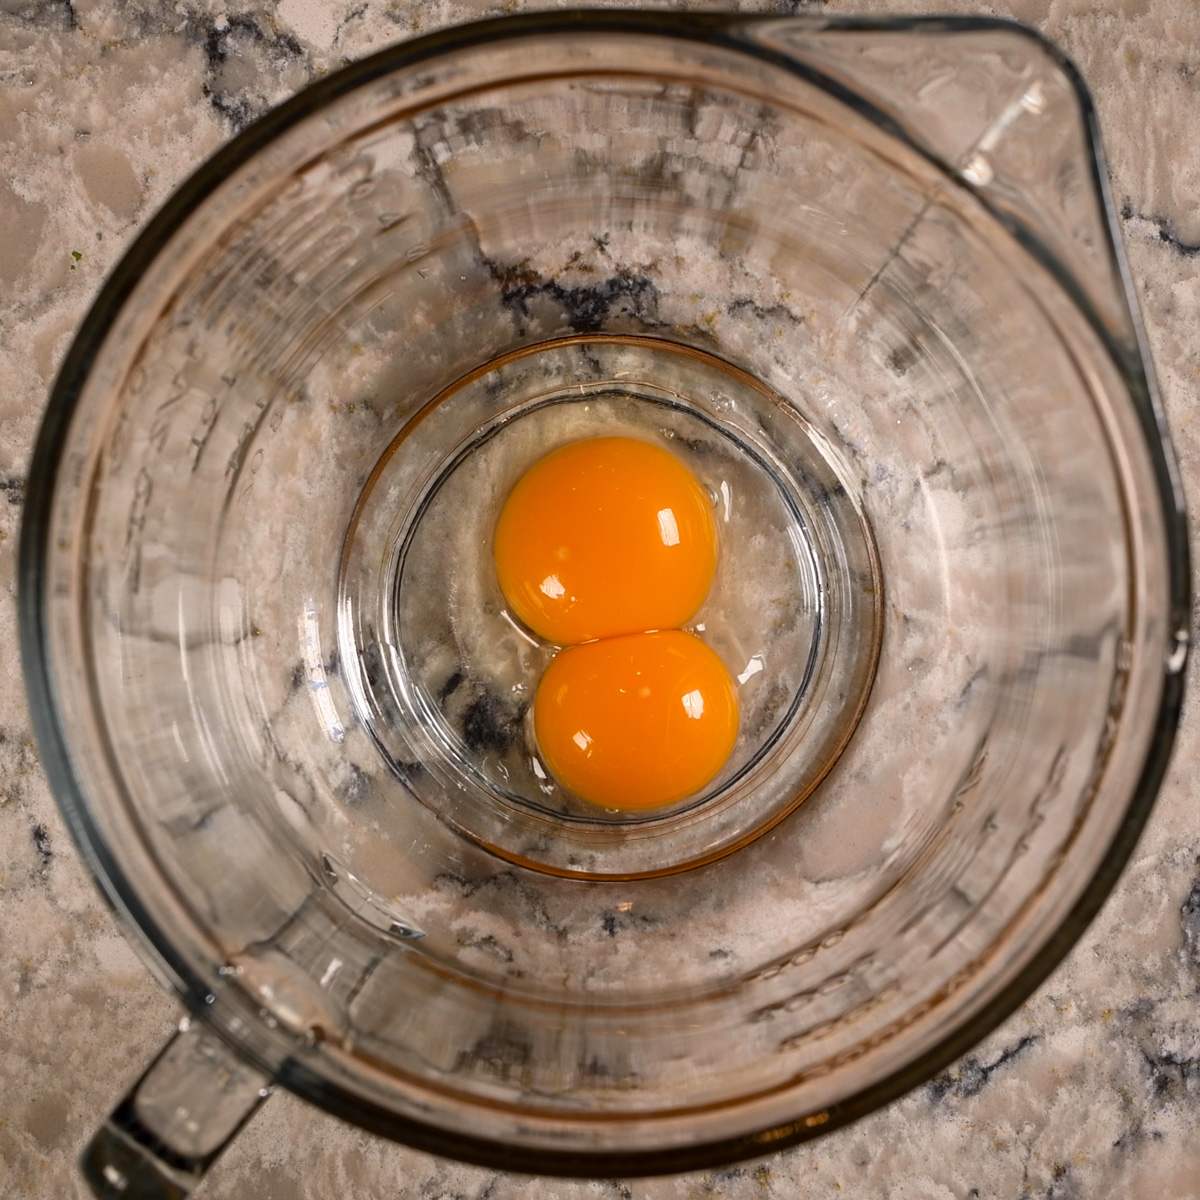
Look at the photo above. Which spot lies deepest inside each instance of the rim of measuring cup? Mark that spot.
(726, 31)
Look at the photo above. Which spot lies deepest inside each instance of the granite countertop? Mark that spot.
(1091, 1089)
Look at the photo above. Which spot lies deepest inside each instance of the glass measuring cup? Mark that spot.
(863, 275)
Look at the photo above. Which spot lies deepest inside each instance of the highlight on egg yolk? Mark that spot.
(604, 537)
(638, 721)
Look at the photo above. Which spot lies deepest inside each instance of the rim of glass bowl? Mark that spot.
(279, 1056)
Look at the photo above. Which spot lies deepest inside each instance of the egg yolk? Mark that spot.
(638, 721)
(605, 537)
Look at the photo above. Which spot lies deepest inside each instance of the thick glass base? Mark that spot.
(443, 673)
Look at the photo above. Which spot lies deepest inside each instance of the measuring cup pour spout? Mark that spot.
(1006, 115)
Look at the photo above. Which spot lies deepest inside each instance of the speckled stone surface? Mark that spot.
(1091, 1090)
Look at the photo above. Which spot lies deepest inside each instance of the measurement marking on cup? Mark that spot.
(314, 672)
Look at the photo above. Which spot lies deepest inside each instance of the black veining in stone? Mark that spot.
(587, 307)
(776, 312)
(1173, 1076)
(492, 945)
(485, 720)
(352, 15)
(504, 1051)
(901, 359)
(450, 686)
(614, 923)
(972, 1076)
(359, 786)
(41, 843)
(1189, 918)
(372, 665)
(727, 1175)
(490, 724)
(65, 10)
(1165, 230)
(239, 33)
(700, 447)
(965, 695)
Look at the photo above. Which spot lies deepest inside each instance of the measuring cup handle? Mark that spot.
(174, 1122)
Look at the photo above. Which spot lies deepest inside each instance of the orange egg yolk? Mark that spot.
(638, 721)
(605, 537)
